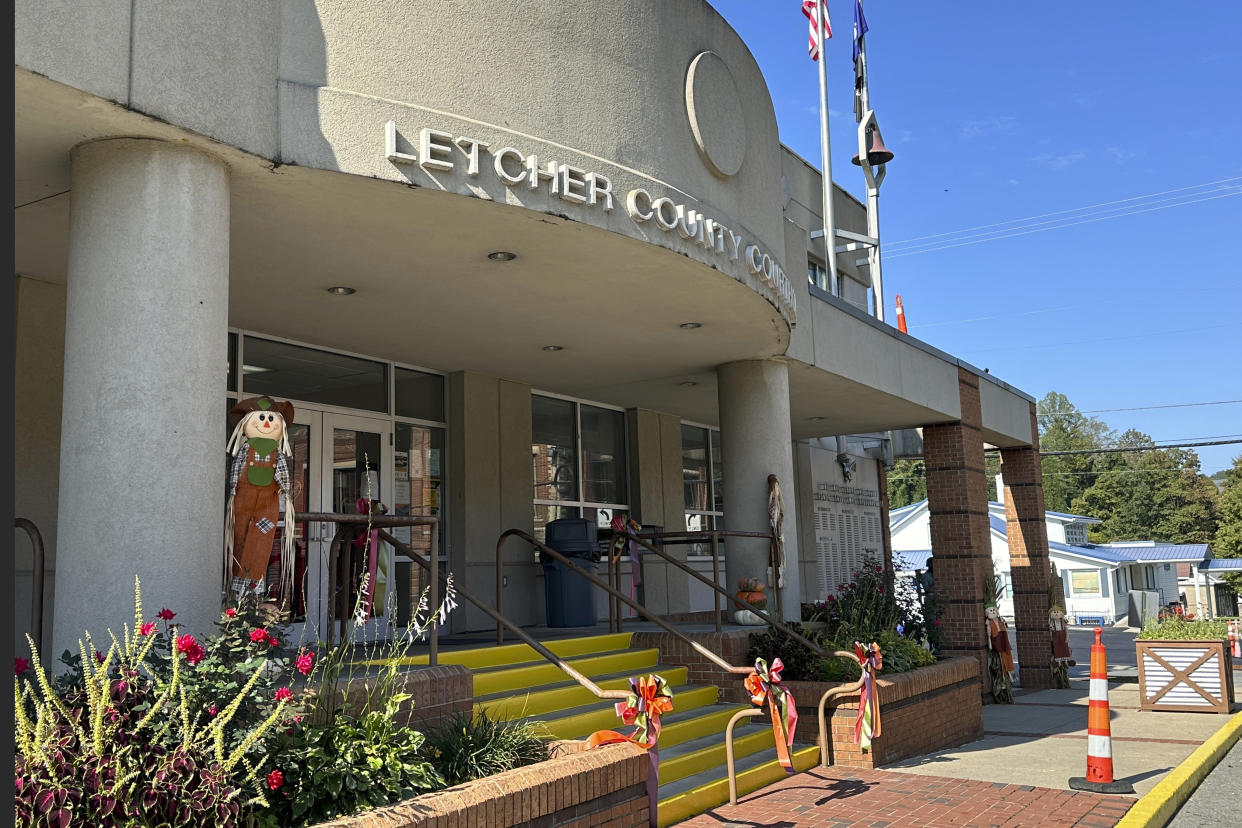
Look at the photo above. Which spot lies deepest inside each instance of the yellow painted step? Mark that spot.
(532, 676)
(494, 656)
(703, 798)
(604, 717)
(538, 702)
(709, 722)
(688, 764)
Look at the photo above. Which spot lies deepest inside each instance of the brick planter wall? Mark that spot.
(730, 645)
(436, 692)
(924, 710)
(603, 788)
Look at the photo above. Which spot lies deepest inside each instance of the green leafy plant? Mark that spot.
(801, 662)
(1178, 629)
(464, 747)
(127, 746)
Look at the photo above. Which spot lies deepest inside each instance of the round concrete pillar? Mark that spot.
(756, 441)
(142, 430)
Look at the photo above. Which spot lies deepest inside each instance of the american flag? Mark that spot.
(812, 9)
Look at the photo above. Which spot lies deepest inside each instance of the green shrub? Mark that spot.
(801, 662)
(1179, 629)
(466, 747)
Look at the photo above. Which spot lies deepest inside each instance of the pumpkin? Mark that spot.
(755, 598)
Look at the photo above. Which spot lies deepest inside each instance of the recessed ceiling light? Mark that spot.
(690, 326)
(501, 256)
(815, 419)
(341, 290)
(688, 384)
(553, 347)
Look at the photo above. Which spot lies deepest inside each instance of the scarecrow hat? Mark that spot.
(237, 412)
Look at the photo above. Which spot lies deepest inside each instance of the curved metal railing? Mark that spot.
(37, 577)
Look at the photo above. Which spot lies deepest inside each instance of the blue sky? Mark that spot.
(1004, 111)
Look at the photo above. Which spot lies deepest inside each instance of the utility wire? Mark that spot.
(1071, 210)
(1055, 414)
(934, 249)
(1138, 448)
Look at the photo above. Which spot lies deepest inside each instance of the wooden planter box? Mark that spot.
(1185, 676)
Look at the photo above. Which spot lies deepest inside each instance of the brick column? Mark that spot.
(957, 503)
(886, 534)
(1028, 558)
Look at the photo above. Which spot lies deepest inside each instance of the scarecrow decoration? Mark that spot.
(1000, 659)
(260, 497)
(776, 517)
(1062, 656)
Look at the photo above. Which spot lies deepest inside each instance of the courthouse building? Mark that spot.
(510, 261)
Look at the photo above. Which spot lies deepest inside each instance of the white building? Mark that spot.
(1103, 583)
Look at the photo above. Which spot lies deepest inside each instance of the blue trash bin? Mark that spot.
(570, 598)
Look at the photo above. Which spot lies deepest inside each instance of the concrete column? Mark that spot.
(957, 503)
(142, 462)
(886, 532)
(755, 441)
(1028, 559)
(656, 498)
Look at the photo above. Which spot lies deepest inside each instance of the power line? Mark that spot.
(934, 249)
(1152, 407)
(1071, 210)
(1139, 448)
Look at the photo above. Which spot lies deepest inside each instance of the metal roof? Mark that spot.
(1161, 551)
(1067, 516)
(1222, 564)
(909, 560)
(1097, 553)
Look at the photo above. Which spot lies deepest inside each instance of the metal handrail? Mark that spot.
(544, 549)
(582, 680)
(843, 690)
(38, 575)
(715, 534)
(345, 521)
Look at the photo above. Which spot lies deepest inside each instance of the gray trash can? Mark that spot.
(570, 598)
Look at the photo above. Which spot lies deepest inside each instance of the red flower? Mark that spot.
(194, 652)
(213, 710)
(230, 613)
(306, 663)
(166, 614)
(272, 641)
(20, 665)
(275, 779)
(147, 628)
(832, 597)
(284, 694)
(258, 635)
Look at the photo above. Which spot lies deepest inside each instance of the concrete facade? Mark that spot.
(660, 234)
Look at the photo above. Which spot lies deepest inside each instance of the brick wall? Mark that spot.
(957, 504)
(1028, 558)
(921, 711)
(602, 788)
(435, 691)
(730, 645)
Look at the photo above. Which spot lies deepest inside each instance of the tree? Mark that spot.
(1228, 541)
(907, 483)
(1151, 495)
(1062, 427)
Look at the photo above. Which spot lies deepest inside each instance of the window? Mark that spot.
(701, 478)
(1122, 581)
(817, 275)
(1085, 582)
(279, 369)
(578, 461)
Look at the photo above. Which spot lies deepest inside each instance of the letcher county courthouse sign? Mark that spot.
(440, 150)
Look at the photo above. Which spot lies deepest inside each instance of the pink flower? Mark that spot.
(258, 635)
(147, 628)
(213, 710)
(306, 663)
(166, 614)
(275, 779)
(832, 598)
(272, 641)
(230, 613)
(98, 657)
(20, 665)
(284, 694)
(194, 652)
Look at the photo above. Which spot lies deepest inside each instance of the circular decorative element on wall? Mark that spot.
(715, 113)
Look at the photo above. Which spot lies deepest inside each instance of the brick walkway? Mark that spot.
(837, 798)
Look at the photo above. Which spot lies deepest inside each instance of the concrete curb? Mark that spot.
(1156, 808)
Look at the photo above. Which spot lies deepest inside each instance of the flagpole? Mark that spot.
(825, 149)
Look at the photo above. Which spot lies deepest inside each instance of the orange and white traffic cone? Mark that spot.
(901, 316)
(1099, 776)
